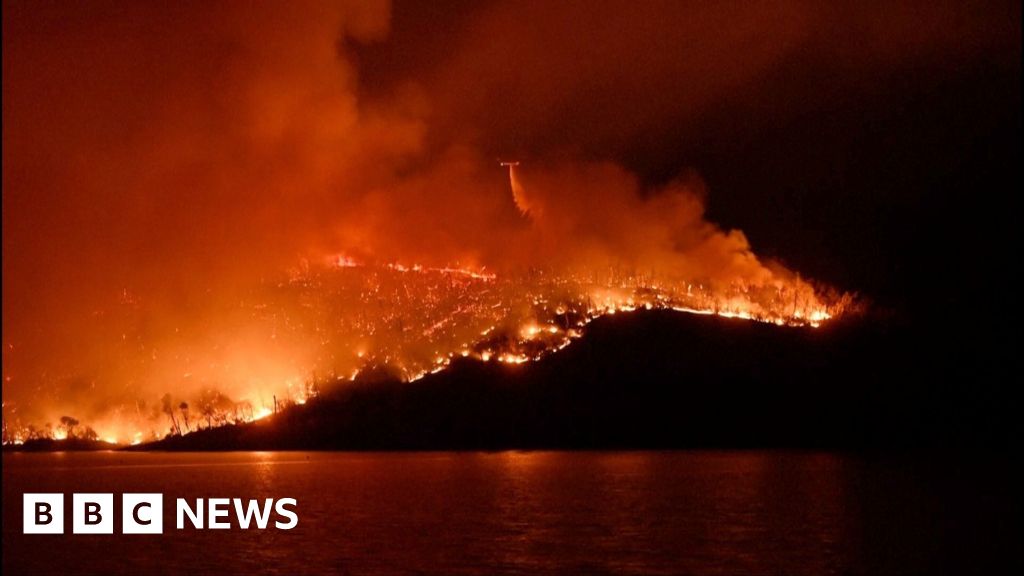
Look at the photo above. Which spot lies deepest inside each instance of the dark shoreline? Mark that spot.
(68, 445)
(657, 380)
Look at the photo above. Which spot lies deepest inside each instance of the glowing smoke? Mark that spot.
(165, 165)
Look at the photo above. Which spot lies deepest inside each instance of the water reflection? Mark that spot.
(509, 512)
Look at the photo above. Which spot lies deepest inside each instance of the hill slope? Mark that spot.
(659, 379)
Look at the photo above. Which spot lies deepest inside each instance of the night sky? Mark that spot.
(871, 145)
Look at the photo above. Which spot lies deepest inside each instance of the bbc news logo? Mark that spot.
(144, 513)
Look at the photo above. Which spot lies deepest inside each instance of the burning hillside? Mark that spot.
(219, 218)
(348, 317)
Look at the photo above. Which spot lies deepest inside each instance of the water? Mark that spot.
(534, 512)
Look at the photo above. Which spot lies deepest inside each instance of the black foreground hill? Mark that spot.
(661, 379)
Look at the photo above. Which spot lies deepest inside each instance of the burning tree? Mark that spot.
(184, 415)
(215, 407)
(168, 408)
(69, 424)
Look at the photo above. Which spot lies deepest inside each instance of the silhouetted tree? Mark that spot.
(184, 415)
(167, 406)
(69, 424)
(215, 407)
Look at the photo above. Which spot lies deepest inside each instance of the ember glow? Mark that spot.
(344, 317)
(220, 219)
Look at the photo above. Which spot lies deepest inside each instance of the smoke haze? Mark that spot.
(163, 162)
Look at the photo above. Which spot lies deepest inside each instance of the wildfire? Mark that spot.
(262, 413)
(413, 320)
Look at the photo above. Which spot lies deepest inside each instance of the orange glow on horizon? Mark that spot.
(178, 259)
